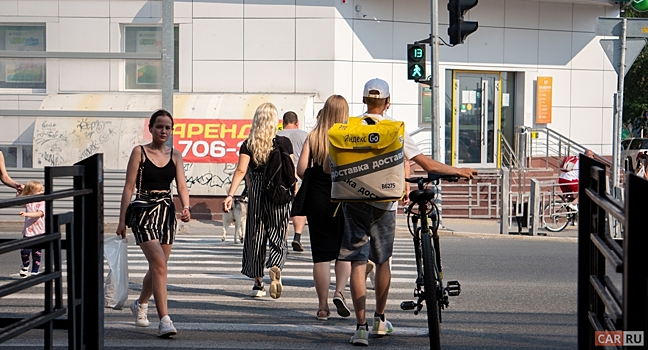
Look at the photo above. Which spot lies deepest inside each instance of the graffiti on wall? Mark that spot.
(65, 141)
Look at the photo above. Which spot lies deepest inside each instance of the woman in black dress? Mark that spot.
(324, 228)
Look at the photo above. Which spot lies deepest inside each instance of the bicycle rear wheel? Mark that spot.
(431, 289)
(555, 217)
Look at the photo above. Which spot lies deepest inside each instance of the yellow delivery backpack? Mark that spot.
(367, 160)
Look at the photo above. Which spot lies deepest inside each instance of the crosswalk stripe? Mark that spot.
(205, 259)
(277, 327)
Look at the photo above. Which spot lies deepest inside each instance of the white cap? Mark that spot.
(376, 88)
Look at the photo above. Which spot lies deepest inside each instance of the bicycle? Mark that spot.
(557, 215)
(429, 281)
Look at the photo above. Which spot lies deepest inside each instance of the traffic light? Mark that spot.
(460, 29)
(416, 62)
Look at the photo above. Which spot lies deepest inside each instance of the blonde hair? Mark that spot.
(335, 110)
(262, 131)
(32, 187)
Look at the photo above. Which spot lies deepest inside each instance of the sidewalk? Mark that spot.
(460, 227)
(491, 228)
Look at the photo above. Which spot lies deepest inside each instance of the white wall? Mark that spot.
(326, 47)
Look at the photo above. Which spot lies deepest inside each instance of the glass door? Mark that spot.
(476, 119)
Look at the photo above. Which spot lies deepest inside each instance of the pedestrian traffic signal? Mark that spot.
(460, 29)
(416, 62)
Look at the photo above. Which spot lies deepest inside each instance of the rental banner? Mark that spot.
(210, 140)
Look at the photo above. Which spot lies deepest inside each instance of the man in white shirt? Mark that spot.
(369, 227)
(297, 138)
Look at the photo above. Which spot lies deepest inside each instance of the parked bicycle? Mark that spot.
(558, 214)
(429, 281)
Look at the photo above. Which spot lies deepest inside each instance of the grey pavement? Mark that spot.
(516, 294)
(450, 227)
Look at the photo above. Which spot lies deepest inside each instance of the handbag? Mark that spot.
(133, 211)
(299, 202)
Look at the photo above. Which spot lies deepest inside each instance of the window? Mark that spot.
(624, 144)
(635, 144)
(17, 156)
(147, 74)
(22, 72)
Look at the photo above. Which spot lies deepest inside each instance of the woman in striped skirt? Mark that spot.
(151, 168)
(267, 222)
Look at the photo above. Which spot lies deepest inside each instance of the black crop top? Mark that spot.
(254, 167)
(156, 178)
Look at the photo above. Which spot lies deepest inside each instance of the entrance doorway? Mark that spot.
(476, 119)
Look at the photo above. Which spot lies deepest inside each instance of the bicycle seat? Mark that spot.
(421, 196)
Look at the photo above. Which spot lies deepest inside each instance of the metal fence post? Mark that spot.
(586, 206)
(505, 212)
(92, 235)
(534, 207)
(635, 241)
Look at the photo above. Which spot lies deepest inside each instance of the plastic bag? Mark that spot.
(116, 283)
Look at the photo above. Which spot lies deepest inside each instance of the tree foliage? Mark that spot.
(635, 89)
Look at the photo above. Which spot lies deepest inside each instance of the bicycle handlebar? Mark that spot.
(432, 178)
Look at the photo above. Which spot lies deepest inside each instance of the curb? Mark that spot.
(449, 233)
(503, 236)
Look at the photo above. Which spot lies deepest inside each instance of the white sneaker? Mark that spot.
(381, 327)
(140, 312)
(166, 328)
(24, 272)
(360, 337)
(258, 291)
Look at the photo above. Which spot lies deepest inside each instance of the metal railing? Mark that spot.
(83, 244)
(601, 305)
(513, 203)
(554, 146)
(481, 196)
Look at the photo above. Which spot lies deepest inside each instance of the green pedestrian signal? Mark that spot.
(640, 5)
(416, 62)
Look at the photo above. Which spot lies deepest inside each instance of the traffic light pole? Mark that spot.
(617, 122)
(434, 89)
(168, 58)
(434, 81)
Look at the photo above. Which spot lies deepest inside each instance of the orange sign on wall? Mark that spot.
(543, 100)
(210, 140)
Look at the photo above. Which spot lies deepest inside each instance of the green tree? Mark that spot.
(635, 96)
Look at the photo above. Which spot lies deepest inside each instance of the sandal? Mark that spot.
(323, 315)
(340, 304)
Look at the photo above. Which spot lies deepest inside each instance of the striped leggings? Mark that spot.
(267, 224)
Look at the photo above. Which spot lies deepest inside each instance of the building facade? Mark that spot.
(230, 55)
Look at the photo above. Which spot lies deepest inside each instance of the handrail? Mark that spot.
(560, 142)
(420, 129)
(509, 150)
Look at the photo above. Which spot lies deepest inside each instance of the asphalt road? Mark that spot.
(516, 294)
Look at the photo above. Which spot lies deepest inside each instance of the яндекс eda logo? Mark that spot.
(618, 338)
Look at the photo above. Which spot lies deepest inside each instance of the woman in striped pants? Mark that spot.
(267, 222)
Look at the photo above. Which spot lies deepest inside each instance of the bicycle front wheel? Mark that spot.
(431, 289)
(555, 217)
